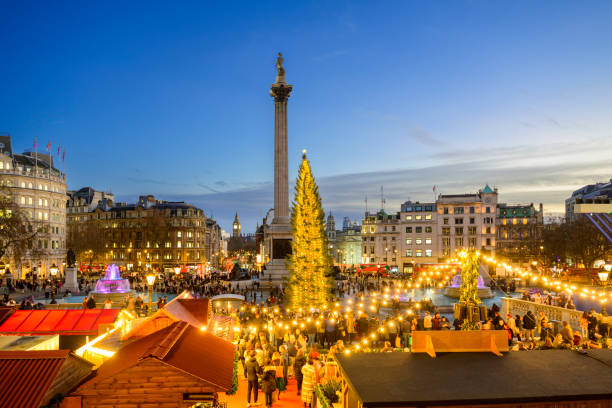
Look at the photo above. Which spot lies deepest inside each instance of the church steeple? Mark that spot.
(236, 227)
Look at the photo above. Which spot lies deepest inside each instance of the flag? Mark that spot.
(64, 155)
(49, 145)
(34, 142)
(434, 188)
(58, 149)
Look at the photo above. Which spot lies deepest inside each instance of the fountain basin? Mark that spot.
(112, 286)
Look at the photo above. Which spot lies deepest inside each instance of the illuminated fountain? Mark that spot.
(112, 286)
(484, 292)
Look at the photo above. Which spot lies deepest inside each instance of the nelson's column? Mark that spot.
(278, 233)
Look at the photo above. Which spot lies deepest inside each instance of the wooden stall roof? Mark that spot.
(62, 322)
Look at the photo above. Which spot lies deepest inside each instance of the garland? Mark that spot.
(234, 388)
(322, 398)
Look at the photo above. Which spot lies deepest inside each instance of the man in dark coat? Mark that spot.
(529, 323)
(252, 369)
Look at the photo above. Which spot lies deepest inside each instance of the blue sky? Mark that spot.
(171, 98)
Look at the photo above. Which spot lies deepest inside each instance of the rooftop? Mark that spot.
(63, 322)
(470, 378)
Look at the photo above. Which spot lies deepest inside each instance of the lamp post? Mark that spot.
(177, 272)
(150, 282)
(53, 271)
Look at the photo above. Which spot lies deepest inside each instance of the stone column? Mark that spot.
(280, 91)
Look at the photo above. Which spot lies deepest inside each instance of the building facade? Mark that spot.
(418, 241)
(149, 235)
(592, 198)
(39, 188)
(519, 230)
(380, 235)
(344, 244)
(467, 221)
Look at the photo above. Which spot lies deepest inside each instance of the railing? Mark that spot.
(72, 306)
(517, 306)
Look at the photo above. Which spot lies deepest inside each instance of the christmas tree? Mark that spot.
(470, 262)
(309, 283)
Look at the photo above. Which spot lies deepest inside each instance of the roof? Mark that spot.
(470, 378)
(63, 322)
(179, 345)
(26, 376)
(487, 190)
(193, 311)
(26, 342)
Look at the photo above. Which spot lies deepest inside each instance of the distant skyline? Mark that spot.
(154, 98)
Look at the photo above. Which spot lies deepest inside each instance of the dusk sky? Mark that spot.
(172, 98)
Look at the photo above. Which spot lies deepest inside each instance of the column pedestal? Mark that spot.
(70, 281)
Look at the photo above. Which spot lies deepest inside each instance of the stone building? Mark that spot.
(519, 230)
(40, 189)
(419, 241)
(151, 234)
(467, 221)
(344, 244)
(380, 234)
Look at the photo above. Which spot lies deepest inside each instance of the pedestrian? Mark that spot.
(252, 371)
(308, 383)
(298, 363)
(268, 385)
(529, 323)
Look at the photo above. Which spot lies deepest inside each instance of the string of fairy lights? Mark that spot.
(439, 277)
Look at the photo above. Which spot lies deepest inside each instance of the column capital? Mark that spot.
(280, 92)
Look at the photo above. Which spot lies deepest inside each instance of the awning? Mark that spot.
(62, 322)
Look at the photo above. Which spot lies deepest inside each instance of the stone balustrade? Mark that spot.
(517, 306)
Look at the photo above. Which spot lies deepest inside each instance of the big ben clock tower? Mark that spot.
(236, 227)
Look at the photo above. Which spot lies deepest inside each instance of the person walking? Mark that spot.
(298, 363)
(268, 386)
(252, 369)
(308, 383)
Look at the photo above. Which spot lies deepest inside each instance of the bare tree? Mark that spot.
(584, 243)
(17, 232)
(87, 242)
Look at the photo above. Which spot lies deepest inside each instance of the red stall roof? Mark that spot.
(63, 322)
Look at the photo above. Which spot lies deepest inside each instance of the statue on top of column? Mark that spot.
(279, 64)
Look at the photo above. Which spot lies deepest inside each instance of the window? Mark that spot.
(428, 216)
(446, 242)
(419, 241)
(408, 217)
(445, 230)
(428, 229)
(488, 241)
(428, 241)
(409, 241)
(458, 210)
(472, 230)
(458, 230)
(179, 244)
(418, 217)
(445, 210)
(428, 252)
(418, 230)
(472, 210)
(409, 252)
(472, 242)
(472, 220)
(459, 242)
(179, 234)
(23, 201)
(419, 252)
(409, 230)
(488, 210)
(393, 228)
(385, 228)
(524, 221)
(458, 220)
(445, 221)
(488, 230)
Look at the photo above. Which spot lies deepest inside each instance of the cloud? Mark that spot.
(423, 136)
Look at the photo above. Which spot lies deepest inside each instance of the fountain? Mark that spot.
(112, 286)
(484, 292)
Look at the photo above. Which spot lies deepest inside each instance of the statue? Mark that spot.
(279, 64)
(70, 258)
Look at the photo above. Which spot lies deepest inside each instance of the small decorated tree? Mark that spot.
(309, 283)
(469, 300)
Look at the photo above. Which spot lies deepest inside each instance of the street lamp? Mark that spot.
(150, 282)
(53, 271)
(604, 274)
